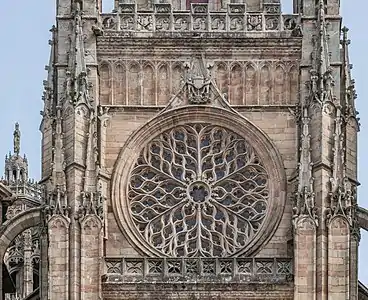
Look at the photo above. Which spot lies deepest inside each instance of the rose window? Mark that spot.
(198, 190)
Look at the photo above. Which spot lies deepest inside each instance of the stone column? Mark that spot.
(27, 265)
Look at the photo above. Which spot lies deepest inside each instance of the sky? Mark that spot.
(24, 52)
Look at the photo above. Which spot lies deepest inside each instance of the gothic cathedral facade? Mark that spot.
(191, 149)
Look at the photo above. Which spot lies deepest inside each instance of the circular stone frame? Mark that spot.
(262, 145)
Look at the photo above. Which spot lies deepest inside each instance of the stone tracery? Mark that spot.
(198, 190)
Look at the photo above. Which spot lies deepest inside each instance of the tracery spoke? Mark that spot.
(214, 202)
(162, 173)
(198, 190)
(166, 212)
(232, 174)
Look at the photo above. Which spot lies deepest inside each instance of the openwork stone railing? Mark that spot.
(26, 188)
(199, 19)
(198, 269)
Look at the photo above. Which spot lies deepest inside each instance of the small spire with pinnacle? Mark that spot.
(16, 139)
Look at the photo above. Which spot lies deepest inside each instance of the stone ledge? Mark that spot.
(194, 291)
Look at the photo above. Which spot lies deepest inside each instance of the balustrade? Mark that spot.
(198, 269)
(199, 19)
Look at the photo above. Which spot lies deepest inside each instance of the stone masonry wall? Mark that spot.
(138, 77)
(277, 122)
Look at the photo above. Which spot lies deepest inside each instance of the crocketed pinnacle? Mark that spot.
(76, 76)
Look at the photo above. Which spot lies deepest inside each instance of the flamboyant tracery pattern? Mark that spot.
(198, 190)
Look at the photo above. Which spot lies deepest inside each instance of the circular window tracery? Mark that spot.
(198, 190)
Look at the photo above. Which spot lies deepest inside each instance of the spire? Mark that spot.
(48, 94)
(16, 139)
(76, 82)
(304, 202)
(348, 82)
(321, 79)
(324, 58)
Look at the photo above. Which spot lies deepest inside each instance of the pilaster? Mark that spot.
(27, 268)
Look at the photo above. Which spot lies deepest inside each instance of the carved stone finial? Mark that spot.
(16, 139)
(198, 81)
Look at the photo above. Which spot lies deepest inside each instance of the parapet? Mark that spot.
(199, 19)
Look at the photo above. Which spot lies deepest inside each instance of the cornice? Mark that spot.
(242, 40)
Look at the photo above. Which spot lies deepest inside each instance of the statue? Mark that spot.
(16, 135)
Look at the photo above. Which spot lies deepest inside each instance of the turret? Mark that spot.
(16, 174)
(16, 166)
(22, 256)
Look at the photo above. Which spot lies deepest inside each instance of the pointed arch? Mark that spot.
(338, 257)
(105, 73)
(280, 85)
(58, 256)
(16, 225)
(293, 84)
(305, 252)
(148, 84)
(265, 85)
(91, 224)
(163, 91)
(91, 252)
(251, 85)
(119, 83)
(177, 73)
(236, 84)
(222, 77)
(134, 84)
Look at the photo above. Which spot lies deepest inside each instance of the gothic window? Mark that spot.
(198, 190)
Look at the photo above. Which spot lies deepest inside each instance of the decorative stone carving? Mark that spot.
(254, 22)
(272, 22)
(181, 23)
(197, 79)
(163, 23)
(199, 19)
(218, 23)
(185, 191)
(92, 203)
(119, 80)
(144, 22)
(127, 23)
(76, 83)
(304, 203)
(109, 23)
(198, 269)
(57, 203)
(236, 8)
(188, 188)
(15, 209)
(236, 23)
